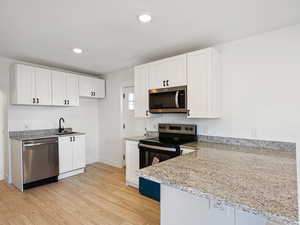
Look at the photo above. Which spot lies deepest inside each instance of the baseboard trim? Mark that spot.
(111, 163)
(71, 173)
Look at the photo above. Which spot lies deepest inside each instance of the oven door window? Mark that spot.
(149, 157)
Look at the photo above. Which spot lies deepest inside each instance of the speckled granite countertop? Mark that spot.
(39, 134)
(138, 138)
(256, 180)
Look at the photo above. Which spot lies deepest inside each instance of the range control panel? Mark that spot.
(178, 128)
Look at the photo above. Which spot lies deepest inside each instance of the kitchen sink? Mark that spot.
(66, 133)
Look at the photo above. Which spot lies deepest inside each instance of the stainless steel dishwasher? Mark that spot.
(40, 161)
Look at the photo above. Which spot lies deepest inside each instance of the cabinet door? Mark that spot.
(43, 86)
(58, 88)
(65, 154)
(132, 162)
(220, 214)
(170, 72)
(141, 74)
(79, 152)
(99, 88)
(85, 86)
(176, 75)
(245, 218)
(72, 83)
(24, 85)
(179, 207)
(158, 74)
(203, 84)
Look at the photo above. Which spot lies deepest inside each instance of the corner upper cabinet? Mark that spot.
(204, 84)
(169, 72)
(141, 87)
(65, 89)
(91, 87)
(31, 86)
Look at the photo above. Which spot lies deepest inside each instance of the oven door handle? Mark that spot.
(177, 99)
(158, 147)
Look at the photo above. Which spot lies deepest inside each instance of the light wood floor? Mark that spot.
(98, 197)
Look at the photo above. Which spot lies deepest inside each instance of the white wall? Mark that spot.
(110, 118)
(15, 118)
(4, 88)
(260, 94)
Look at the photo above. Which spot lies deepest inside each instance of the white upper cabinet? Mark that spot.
(98, 86)
(91, 87)
(204, 84)
(141, 86)
(59, 88)
(170, 72)
(43, 90)
(72, 89)
(31, 86)
(65, 88)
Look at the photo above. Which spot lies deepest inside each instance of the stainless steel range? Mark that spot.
(166, 146)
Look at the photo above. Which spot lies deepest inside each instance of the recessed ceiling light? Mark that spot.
(77, 50)
(145, 18)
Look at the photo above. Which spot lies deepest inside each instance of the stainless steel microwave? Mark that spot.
(168, 100)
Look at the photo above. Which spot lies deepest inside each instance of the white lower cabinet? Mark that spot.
(132, 163)
(180, 207)
(71, 155)
(245, 218)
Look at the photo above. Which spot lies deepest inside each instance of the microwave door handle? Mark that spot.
(177, 99)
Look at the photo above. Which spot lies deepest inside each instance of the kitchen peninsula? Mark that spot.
(228, 184)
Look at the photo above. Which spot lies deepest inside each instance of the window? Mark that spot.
(131, 101)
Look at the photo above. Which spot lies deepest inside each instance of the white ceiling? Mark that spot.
(45, 31)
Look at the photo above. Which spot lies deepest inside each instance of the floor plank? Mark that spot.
(97, 197)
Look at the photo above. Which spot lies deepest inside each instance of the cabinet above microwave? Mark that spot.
(199, 71)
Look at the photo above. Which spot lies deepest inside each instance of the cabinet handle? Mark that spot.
(68, 102)
(91, 93)
(147, 112)
(37, 101)
(94, 93)
(65, 102)
(70, 139)
(188, 112)
(167, 82)
(33, 100)
(164, 83)
(73, 138)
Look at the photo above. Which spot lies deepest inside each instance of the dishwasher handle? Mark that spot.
(32, 144)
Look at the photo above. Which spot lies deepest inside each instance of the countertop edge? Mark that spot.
(46, 136)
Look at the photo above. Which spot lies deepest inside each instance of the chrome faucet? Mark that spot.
(61, 129)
